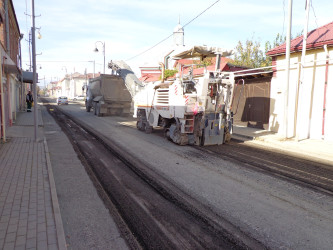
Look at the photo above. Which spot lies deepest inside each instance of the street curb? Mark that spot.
(241, 137)
(284, 149)
(55, 203)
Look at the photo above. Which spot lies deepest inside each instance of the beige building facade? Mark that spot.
(303, 109)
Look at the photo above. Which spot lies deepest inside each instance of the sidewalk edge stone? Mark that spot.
(55, 203)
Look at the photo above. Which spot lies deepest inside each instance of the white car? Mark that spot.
(62, 100)
(79, 98)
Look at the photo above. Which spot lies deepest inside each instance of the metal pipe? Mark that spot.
(3, 124)
(218, 62)
(256, 73)
(34, 82)
(7, 27)
(162, 67)
(246, 70)
(288, 41)
(22, 101)
(9, 100)
(325, 90)
(305, 34)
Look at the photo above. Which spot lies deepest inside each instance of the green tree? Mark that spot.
(206, 62)
(251, 55)
(168, 73)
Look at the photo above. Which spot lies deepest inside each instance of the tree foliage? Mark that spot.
(168, 73)
(206, 62)
(251, 55)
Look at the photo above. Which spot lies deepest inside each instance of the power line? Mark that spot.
(314, 14)
(172, 33)
(58, 61)
(284, 16)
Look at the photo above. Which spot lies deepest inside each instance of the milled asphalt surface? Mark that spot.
(87, 223)
(278, 213)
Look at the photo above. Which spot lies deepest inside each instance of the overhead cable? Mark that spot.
(172, 33)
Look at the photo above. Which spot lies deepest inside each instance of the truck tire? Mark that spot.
(95, 108)
(98, 109)
(87, 106)
(148, 129)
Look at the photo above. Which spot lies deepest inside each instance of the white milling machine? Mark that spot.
(192, 110)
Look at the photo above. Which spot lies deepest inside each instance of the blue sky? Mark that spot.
(70, 28)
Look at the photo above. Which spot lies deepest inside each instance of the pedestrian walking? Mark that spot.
(29, 100)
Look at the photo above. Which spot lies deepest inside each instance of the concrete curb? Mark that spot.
(55, 203)
(241, 137)
(292, 150)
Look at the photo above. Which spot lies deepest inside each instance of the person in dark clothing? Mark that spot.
(29, 100)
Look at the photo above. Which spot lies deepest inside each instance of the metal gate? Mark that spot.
(253, 104)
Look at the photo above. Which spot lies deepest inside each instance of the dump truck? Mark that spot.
(108, 95)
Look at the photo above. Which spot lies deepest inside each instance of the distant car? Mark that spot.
(79, 98)
(62, 100)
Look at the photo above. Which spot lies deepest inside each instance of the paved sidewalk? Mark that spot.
(319, 150)
(29, 210)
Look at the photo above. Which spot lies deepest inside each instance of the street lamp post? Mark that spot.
(96, 50)
(34, 73)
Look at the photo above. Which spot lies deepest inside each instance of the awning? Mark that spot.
(9, 65)
(27, 76)
(203, 52)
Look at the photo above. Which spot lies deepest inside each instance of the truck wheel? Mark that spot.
(98, 110)
(227, 136)
(148, 129)
(87, 106)
(143, 126)
(95, 108)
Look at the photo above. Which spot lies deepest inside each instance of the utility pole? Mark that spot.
(286, 97)
(34, 81)
(301, 123)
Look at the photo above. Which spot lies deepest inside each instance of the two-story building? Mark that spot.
(12, 92)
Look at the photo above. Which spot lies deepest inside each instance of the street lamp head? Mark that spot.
(95, 50)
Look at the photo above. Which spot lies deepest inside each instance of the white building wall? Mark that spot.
(278, 97)
(75, 87)
(305, 116)
(79, 85)
(329, 101)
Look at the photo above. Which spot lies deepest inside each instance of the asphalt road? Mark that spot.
(273, 210)
(87, 222)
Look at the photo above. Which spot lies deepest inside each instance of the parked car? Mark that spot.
(62, 100)
(79, 98)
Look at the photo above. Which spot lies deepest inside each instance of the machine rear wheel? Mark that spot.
(148, 129)
(167, 134)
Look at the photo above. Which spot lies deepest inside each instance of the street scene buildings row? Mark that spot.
(299, 109)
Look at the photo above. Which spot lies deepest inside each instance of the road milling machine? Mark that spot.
(193, 110)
